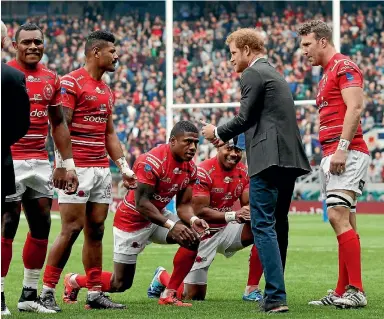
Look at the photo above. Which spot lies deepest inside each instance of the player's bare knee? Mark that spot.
(72, 230)
(194, 292)
(338, 216)
(10, 223)
(121, 284)
(96, 231)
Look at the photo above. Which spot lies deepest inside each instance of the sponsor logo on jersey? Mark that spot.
(152, 161)
(80, 78)
(238, 190)
(110, 102)
(100, 91)
(227, 196)
(31, 78)
(174, 188)
(48, 91)
(37, 97)
(161, 199)
(201, 174)
(37, 113)
(103, 108)
(227, 180)
(217, 190)
(323, 104)
(166, 180)
(95, 119)
(349, 76)
(177, 171)
(68, 83)
(185, 183)
(90, 98)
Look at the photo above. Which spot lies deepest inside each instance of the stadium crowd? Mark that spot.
(202, 72)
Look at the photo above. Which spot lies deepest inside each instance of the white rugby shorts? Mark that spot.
(33, 179)
(226, 241)
(127, 245)
(95, 185)
(354, 177)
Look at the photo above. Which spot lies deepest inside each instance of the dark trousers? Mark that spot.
(270, 197)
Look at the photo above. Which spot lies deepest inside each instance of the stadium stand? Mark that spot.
(202, 73)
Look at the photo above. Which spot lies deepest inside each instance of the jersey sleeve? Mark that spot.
(148, 170)
(203, 183)
(69, 91)
(56, 99)
(348, 75)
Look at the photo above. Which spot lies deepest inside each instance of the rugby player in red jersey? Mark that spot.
(343, 169)
(222, 180)
(87, 103)
(162, 173)
(33, 172)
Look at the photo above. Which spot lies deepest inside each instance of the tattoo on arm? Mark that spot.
(56, 115)
(68, 113)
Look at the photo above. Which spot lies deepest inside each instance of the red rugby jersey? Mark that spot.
(223, 187)
(43, 88)
(92, 102)
(340, 73)
(157, 168)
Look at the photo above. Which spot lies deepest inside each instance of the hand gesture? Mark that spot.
(200, 226)
(59, 178)
(243, 215)
(72, 182)
(183, 235)
(338, 161)
(129, 180)
(208, 131)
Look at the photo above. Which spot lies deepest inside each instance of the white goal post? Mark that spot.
(169, 65)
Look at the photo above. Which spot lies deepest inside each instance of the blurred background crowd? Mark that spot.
(202, 72)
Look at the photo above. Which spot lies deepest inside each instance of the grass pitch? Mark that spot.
(311, 270)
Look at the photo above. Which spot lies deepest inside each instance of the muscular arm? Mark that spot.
(112, 142)
(353, 98)
(59, 130)
(143, 195)
(244, 198)
(184, 207)
(202, 210)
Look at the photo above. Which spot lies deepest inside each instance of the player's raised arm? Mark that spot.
(115, 151)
